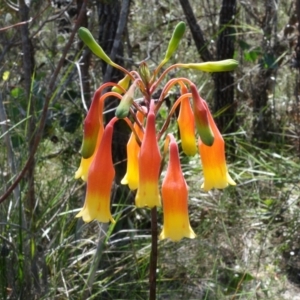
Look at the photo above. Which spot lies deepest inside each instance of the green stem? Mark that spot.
(153, 255)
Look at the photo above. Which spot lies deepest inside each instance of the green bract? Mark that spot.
(123, 108)
(144, 73)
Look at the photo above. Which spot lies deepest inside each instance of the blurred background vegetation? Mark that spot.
(248, 243)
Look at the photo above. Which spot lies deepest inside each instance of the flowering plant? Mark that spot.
(144, 158)
(148, 144)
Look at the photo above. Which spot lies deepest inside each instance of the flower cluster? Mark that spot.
(149, 145)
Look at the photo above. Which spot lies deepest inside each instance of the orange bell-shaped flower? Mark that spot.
(175, 200)
(92, 123)
(100, 178)
(186, 124)
(149, 167)
(133, 148)
(82, 171)
(213, 160)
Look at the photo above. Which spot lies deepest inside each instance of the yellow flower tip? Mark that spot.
(78, 173)
(215, 175)
(88, 216)
(177, 235)
(85, 215)
(148, 199)
(124, 180)
(213, 160)
(189, 150)
(131, 181)
(207, 186)
(85, 163)
(218, 182)
(214, 166)
(83, 169)
(230, 180)
(96, 205)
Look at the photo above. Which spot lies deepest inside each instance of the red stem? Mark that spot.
(153, 255)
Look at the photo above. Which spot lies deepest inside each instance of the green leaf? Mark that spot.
(17, 92)
(251, 56)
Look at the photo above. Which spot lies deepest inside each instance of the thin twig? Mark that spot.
(77, 63)
(15, 25)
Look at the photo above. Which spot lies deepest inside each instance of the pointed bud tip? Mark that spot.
(88, 39)
(123, 108)
(122, 111)
(213, 66)
(206, 135)
(174, 41)
(124, 83)
(88, 147)
(144, 73)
